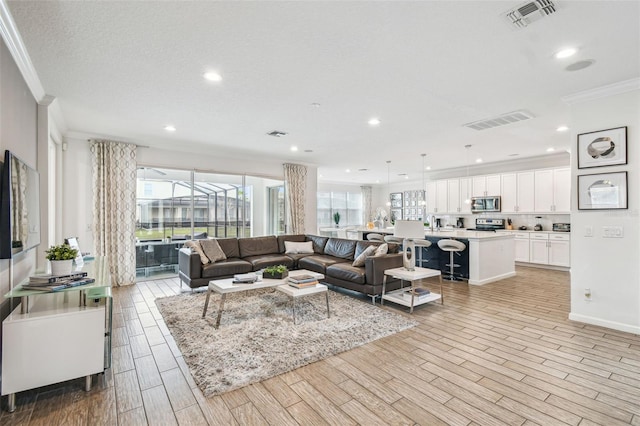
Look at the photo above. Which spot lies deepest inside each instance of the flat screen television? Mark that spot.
(19, 207)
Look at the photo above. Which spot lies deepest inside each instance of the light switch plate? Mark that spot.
(588, 231)
(612, 232)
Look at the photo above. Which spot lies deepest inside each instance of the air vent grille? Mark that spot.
(502, 120)
(530, 12)
(277, 133)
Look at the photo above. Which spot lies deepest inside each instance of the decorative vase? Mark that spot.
(61, 267)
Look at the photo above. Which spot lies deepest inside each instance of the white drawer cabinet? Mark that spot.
(550, 249)
(539, 248)
(521, 247)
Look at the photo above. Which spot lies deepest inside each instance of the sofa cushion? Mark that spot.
(296, 259)
(318, 243)
(298, 238)
(195, 246)
(262, 261)
(341, 248)
(229, 246)
(292, 247)
(347, 272)
(256, 246)
(212, 249)
(226, 267)
(363, 245)
(381, 250)
(359, 260)
(317, 262)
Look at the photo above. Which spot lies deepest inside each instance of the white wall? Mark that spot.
(608, 266)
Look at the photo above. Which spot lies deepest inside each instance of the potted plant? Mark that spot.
(61, 258)
(277, 272)
(336, 218)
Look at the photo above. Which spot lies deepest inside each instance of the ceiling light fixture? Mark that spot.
(478, 160)
(294, 148)
(374, 122)
(348, 170)
(388, 183)
(428, 167)
(170, 128)
(565, 53)
(551, 149)
(562, 129)
(212, 76)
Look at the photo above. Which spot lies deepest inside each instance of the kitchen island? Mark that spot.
(489, 256)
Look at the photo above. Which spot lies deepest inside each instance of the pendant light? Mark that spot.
(423, 202)
(388, 183)
(467, 199)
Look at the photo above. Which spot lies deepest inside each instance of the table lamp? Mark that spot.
(410, 231)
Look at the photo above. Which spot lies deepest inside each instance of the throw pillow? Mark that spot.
(291, 247)
(212, 249)
(195, 246)
(382, 250)
(359, 261)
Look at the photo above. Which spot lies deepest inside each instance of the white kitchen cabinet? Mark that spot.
(552, 191)
(559, 250)
(441, 196)
(509, 193)
(562, 190)
(486, 185)
(465, 195)
(453, 195)
(521, 247)
(539, 248)
(525, 191)
(432, 197)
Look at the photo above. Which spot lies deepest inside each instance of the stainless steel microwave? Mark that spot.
(485, 204)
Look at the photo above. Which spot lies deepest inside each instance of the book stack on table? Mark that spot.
(48, 282)
(418, 293)
(302, 281)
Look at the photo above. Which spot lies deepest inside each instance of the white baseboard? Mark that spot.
(635, 329)
(492, 279)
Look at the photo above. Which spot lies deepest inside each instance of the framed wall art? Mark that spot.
(602, 191)
(602, 148)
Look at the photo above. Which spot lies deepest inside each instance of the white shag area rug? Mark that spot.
(257, 338)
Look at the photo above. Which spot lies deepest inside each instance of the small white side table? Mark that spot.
(294, 293)
(400, 296)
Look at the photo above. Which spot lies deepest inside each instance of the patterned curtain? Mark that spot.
(20, 228)
(295, 181)
(114, 207)
(367, 209)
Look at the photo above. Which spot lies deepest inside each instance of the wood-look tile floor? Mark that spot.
(503, 353)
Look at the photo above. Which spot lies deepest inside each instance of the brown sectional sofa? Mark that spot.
(332, 257)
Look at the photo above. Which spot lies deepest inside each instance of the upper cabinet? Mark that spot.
(530, 191)
(552, 190)
(486, 185)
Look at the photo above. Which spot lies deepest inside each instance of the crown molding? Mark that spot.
(16, 47)
(603, 91)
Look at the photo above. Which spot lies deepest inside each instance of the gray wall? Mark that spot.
(18, 133)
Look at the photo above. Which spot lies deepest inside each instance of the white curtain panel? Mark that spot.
(367, 209)
(295, 181)
(114, 207)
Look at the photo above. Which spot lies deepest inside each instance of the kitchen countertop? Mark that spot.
(448, 233)
(534, 232)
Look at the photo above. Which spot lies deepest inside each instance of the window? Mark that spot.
(348, 204)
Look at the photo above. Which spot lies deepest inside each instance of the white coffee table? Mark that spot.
(399, 296)
(295, 293)
(226, 286)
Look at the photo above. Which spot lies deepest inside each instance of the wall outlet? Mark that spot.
(587, 294)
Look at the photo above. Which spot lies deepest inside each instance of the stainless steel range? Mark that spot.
(491, 225)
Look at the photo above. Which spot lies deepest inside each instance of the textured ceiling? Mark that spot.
(126, 69)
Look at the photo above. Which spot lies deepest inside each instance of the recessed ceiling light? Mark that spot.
(428, 167)
(170, 128)
(580, 65)
(315, 105)
(212, 76)
(348, 170)
(406, 176)
(565, 53)
(562, 129)
(374, 122)
(377, 181)
(294, 148)
(551, 149)
(478, 160)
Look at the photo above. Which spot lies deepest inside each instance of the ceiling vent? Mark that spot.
(530, 12)
(277, 133)
(501, 120)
